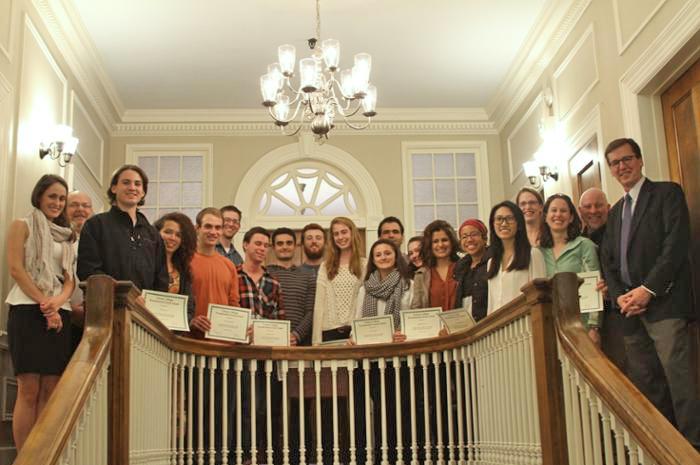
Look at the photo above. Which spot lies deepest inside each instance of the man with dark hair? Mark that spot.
(232, 223)
(391, 228)
(645, 261)
(298, 285)
(313, 241)
(259, 291)
(121, 242)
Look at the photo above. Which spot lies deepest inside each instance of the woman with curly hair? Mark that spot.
(41, 259)
(339, 279)
(514, 262)
(434, 284)
(180, 239)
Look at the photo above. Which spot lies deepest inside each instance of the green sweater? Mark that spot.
(579, 255)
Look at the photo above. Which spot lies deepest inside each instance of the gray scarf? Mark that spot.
(38, 252)
(390, 290)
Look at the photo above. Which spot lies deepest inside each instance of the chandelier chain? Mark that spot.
(318, 20)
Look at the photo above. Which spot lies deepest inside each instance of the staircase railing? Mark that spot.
(524, 386)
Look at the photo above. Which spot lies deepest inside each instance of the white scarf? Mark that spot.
(38, 252)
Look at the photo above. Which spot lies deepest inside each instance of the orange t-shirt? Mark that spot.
(443, 292)
(214, 281)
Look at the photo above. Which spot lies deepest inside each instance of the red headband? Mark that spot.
(476, 224)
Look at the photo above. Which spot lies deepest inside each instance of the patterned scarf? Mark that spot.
(390, 290)
(38, 252)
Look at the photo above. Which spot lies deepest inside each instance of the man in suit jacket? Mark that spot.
(645, 261)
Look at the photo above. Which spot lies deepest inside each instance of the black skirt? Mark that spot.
(33, 348)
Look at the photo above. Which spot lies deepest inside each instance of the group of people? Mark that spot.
(640, 245)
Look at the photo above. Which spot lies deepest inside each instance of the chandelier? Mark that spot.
(324, 93)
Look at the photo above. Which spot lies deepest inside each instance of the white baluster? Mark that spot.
(368, 414)
(382, 394)
(334, 384)
(457, 356)
(190, 409)
(426, 408)
(268, 408)
(411, 362)
(595, 425)
(238, 367)
(350, 367)
(619, 440)
(284, 368)
(212, 411)
(607, 433)
(224, 410)
(253, 370)
(181, 408)
(174, 429)
(319, 435)
(302, 415)
(200, 410)
(396, 361)
(447, 355)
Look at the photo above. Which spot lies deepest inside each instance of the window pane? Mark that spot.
(448, 213)
(169, 194)
(466, 164)
(325, 192)
(192, 213)
(169, 169)
(333, 179)
(307, 186)
(466, 190)
(289, 192)
(423, 216)
(445, 190)
(278, 208)
(468, 211)
(336, 207)
(192, 168)
(422, 165)
(150, 214)
(192, 193)
(150, 166)
(423, 192)
(444, 164)
(152, 198)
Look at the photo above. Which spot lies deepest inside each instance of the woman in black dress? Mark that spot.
(41, 259)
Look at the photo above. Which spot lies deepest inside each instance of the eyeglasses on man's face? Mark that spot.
(231, 221)
(510, 219)
(626, 160)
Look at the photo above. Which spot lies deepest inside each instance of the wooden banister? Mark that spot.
(650, 428)
(53, 428)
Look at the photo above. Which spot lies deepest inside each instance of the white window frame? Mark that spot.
(477, 147)
(206, 151)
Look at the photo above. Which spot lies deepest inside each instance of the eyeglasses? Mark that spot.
(504, 219)
(232, 221)
(627, 159)
(471, 235)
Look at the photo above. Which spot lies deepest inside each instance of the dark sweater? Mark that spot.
(474, 283)
(111, 244)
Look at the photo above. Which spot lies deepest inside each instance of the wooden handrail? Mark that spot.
(53, 428)
(510, 312)
(650, 428)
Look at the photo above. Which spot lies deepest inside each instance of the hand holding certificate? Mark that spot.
(170, 309)
(373, 330)
(590, 299)
(421, 323)
(457, 320)
(228, 323)
(273, 333)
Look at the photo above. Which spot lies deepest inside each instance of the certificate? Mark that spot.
(457, 320)
(467, 304)
(228, 323)
(421, 323)
(590, 299)
(271, 332)
(373, 330)
(170, 309)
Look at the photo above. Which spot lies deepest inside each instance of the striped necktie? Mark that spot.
(624, 239)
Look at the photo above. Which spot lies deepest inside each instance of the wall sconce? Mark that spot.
(534, 171)
(60, 146)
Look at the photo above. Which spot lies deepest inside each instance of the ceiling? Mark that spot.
(209, 54)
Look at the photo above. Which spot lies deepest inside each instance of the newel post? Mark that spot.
(548, 378)
(119, 378)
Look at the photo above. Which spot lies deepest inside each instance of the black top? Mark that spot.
(111, 244)
(595, 235)
(473, 282)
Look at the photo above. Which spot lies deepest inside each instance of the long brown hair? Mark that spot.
(41, 186)
(333, 255)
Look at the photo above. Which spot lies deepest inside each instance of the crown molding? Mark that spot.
(256, 122)
(543, 42)
(77, 49)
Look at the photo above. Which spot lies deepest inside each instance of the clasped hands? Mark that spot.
(49, 308)
(634, 302)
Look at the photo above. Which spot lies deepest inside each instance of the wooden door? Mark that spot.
(584, 169)
(681, 109)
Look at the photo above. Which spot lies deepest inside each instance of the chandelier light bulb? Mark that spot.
(70, 145)
(281, 109)
(369, 103)
(308, 75)
(61, 133)
(275, 70)
(347, 86)
(287, 57)
(331, 53)
(268, 88)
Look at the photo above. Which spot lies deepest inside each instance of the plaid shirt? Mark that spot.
(263, 298)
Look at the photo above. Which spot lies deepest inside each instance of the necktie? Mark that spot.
(624, 238)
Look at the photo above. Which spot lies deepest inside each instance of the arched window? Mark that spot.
(308, 188)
